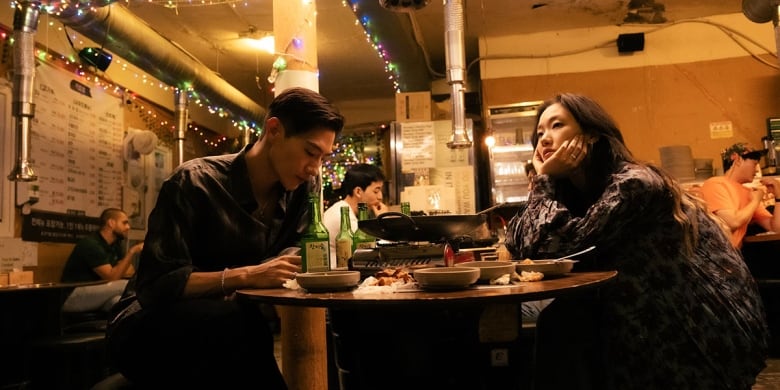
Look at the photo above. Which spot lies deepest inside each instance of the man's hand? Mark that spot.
(772, 186)
(137, 248)
(273, 273)
(379, 209)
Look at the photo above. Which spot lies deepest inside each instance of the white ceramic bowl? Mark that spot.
(547, 267)
(446, 278)
(489, 270)
(328, 281)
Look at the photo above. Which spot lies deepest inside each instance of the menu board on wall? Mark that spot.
(76, 144)
(418, 145)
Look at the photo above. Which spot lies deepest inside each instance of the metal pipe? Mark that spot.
(456, 70)
(181, 123)
(26, 16)
(131, 38)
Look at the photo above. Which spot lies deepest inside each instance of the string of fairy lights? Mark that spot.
(375, 41)
(349, 149)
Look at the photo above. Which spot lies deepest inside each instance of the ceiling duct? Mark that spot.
(126, 35)
(762, 11)
(26, 15)
(455, 51)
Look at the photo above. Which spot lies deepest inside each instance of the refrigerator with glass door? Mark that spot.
(509, 130)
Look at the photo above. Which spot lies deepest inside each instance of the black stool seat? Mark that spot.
(84, 322)
(113, 382)
(69, 361)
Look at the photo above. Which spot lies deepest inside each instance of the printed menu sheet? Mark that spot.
(76, 144)
(418, 149)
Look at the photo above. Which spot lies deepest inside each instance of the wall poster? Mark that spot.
(7, 145)
(76, 144)
(418, 146)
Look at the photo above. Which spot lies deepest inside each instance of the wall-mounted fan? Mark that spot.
(137, 143)
(762, 11)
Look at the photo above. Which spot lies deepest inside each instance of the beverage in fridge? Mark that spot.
(511, 127)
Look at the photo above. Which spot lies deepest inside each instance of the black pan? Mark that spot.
(393, 226)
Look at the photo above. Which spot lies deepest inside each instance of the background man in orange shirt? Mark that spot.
(738, 205)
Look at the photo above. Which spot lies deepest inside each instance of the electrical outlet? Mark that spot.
(499, 357)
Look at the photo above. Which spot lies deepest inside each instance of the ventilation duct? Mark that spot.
(131, 38)
(181, 124)
(456, 71)
(26, 16)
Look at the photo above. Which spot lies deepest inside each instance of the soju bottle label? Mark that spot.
(316, 254)
(365, 244)
(343, 252)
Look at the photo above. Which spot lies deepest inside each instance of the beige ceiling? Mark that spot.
(350, 68)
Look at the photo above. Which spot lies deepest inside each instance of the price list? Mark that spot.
(76, 144)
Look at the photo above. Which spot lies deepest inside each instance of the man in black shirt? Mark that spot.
(222, 223)
(100, 256)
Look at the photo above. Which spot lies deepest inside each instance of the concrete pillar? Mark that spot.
(303, 338)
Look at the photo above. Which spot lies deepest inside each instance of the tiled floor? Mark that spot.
(769, 379)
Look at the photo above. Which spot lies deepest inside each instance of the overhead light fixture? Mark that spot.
(266, 43)
(96, 57)
(260, 40)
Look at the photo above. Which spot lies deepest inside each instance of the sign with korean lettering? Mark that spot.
(57, 227)
(418, 150)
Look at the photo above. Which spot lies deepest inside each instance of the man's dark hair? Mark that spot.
(109, 214)
(743, 150)
(301, 110)
(360, 175)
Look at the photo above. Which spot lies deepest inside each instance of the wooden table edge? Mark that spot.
(514, 293)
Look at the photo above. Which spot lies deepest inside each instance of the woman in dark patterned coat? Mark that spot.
(684, 311)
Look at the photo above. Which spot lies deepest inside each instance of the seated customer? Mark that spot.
(736, 205)
(362, 184)
(100, 256)
(223, 223)
(683, 312)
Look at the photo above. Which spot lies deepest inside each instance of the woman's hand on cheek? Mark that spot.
(564, 161)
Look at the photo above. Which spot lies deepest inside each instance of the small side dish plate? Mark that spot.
(547, 267)
(446, 278)
(490, 270)
(328, 281)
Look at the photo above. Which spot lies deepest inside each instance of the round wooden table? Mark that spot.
(763, 237)
(429, 337)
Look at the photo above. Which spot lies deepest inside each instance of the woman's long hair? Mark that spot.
(609, 152)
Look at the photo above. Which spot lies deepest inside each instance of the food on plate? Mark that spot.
(389, 277)
(388, 280)
(502, 280)
(523, 276)
(527, 261)
(529, 276)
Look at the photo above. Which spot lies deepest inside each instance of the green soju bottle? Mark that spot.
(315, 246)
(344, 240)
(361, 239)
(406, 208)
